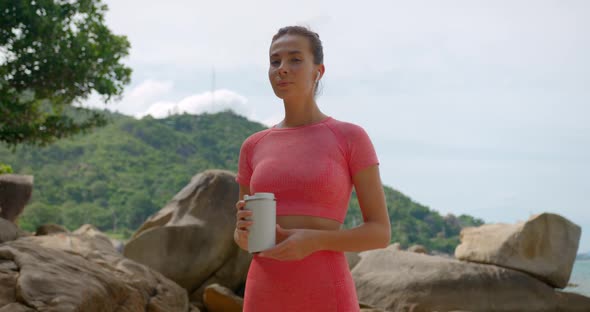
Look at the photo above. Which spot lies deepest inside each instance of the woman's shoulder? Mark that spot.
(255, 137)
(345, 128)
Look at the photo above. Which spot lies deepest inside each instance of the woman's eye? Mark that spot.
(274, 63)
(295, 60)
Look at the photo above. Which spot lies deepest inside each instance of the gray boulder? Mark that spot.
(69, 272)
(191, 241)
(15, 192)
(545, 246)
(405, 281)
(8, 231)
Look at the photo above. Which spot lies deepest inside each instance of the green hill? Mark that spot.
(118, 175)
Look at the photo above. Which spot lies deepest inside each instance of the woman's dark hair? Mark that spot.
(314, 40)
(317, 50)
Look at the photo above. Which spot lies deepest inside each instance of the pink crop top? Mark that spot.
(308, 168)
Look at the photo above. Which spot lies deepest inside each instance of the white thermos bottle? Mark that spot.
(264, 214)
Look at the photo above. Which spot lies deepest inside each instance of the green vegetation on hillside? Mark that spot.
(117, 176)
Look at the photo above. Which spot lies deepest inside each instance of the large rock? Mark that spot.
(69, 272)
(8, 231)
(15, 192)
(16, 307)
(544, 246)
(92, 231)
(405, 281)
(191, 239)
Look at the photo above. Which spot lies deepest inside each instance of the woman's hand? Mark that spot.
(242, 225)
(292, 244)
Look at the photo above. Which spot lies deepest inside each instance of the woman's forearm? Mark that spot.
(369, 235)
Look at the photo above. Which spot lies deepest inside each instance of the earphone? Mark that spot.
(318, 78)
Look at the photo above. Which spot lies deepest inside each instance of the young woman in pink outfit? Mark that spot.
(310, 161)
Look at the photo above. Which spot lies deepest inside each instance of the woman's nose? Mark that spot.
(282, 68)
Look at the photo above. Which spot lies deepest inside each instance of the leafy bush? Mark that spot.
(5, 168)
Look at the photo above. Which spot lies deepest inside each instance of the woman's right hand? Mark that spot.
(242, 225)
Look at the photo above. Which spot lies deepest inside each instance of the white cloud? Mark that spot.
(153, 97)
(210, 102)
(143, 95)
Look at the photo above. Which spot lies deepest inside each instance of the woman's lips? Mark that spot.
(282, 84)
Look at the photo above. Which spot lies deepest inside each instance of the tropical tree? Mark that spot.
(53, 54)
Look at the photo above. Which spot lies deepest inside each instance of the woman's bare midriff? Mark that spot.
(308, 222)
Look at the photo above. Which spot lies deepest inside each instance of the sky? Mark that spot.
(474, 107)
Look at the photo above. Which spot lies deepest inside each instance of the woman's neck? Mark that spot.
(300, 113)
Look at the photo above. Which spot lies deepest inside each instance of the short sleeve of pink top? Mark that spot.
(308, 168)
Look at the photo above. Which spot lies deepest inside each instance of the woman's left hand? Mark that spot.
(293, 244)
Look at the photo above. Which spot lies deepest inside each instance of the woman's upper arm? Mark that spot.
(369, 191)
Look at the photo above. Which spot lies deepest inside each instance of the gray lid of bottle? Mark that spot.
(260, 196)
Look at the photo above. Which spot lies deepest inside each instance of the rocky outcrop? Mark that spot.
(545, 246)
(8, 231)
(70, 272)
(15, 192)
(191, 241)
(91, 231)
(406, 281)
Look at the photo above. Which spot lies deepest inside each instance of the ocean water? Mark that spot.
(581, 277)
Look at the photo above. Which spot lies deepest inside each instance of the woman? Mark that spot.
(310, 161)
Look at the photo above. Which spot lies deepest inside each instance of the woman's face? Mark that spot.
(292, 72)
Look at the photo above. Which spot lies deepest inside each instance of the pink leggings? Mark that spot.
(319, 282)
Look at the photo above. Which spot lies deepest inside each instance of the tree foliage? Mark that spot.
(5, 168)
(52, 54)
